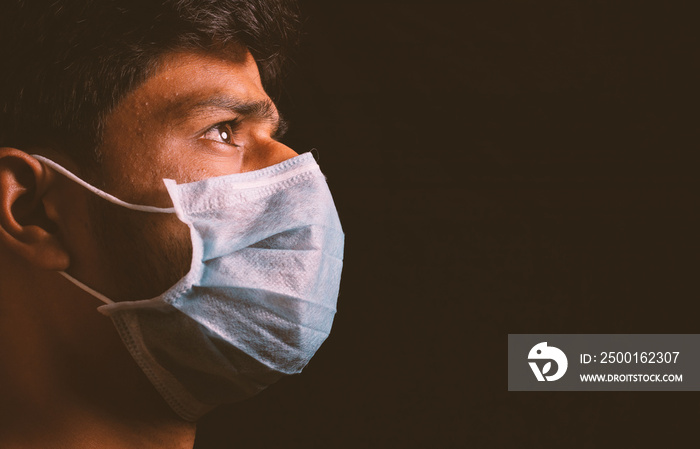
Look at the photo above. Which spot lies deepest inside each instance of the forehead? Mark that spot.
(183, 79)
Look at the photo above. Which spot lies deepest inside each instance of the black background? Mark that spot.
(499, 167)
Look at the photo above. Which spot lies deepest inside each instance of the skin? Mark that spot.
(68, 381)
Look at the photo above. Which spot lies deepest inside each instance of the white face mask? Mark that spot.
(260, 296)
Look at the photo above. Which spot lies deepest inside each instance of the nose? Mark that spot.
(266, 153)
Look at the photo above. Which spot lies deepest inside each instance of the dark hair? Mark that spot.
(67, 63)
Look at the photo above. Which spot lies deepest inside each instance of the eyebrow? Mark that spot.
(263, 110)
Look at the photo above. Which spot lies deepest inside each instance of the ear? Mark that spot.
(26, 229)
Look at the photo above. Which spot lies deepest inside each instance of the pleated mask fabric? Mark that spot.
(260, 296)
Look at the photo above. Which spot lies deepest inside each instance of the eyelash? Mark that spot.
(220, 128)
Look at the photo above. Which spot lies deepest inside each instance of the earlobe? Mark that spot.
(28, 227)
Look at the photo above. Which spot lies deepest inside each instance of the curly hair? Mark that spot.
(67, 63)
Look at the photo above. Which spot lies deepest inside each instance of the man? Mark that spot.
(101, 101)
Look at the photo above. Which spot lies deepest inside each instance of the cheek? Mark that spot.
(133, 170)
(145, 253)
(171, 252)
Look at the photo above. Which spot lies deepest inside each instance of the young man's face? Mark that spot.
(197, 117)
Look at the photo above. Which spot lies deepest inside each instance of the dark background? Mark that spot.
(499, 167)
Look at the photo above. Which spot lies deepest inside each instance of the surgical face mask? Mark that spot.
(260, 296)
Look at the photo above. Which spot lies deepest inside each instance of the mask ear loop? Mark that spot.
(112, 199)
(79, 284)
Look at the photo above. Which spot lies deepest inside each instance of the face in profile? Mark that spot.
(198, 117)
(216, 249)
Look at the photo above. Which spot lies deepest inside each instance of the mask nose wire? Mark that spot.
(111, 198)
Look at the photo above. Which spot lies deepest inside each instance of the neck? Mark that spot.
(67, 380)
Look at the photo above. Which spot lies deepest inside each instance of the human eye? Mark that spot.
(223, 132)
